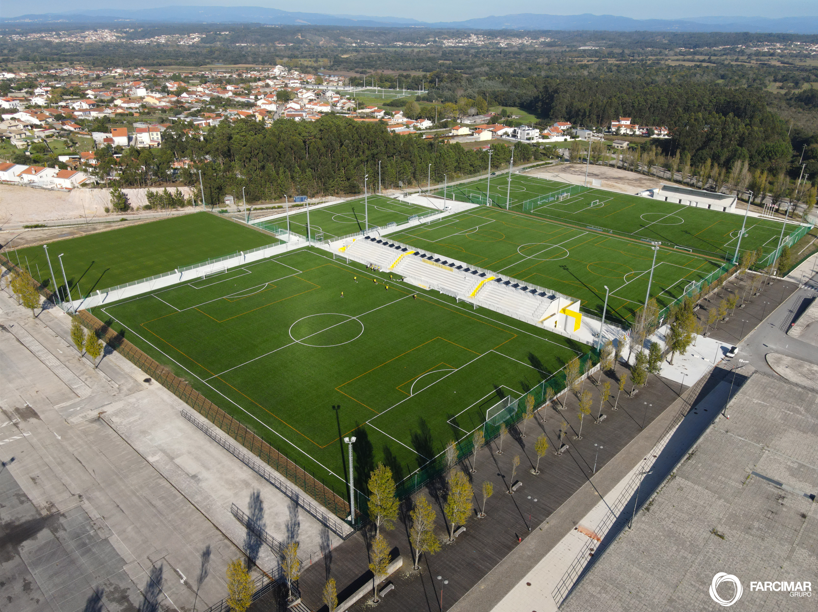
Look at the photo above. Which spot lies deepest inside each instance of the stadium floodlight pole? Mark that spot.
(65, 278)
(602, 323)
(636, 502)
(287, 212)
(429, 180)
(741, 234)
(309, 240)
(351, 441)
(588, 164)
(655, 246)
(379, 177)
(510, 167)
(781, 237)
(444, 190)
(488, 178)
(801, 161)
(48, 259)
(366, 204)
(201, 186)
(246, 219)
(798, 186)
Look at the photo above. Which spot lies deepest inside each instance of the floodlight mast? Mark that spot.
(351, 441)
(741, 235)
(366, 204)
(488, 178)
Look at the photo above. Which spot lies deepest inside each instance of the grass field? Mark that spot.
(576, 262)
(348, 217)
(306, 349)
(705, 231)
(107, 259)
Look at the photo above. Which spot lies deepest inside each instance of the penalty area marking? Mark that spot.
(347, 318)
(511, 393)
(412, 388)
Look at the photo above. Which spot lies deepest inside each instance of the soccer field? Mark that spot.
(576, 262)
(307, 349)
(705, 231)
(107, 259)
(345, 218)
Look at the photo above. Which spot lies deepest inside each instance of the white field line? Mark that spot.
(224, 280)
(663, 218)
(398, 441)
(320, 331)
(412, 388)
(255, 418)
(543, 251)
(449, 420)
(164, 302)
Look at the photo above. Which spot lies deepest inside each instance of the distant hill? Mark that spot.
(524, 21)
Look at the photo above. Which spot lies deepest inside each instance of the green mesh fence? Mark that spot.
(554, 196)
(515, 412)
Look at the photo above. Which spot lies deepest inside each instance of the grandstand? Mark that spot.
(468, 283)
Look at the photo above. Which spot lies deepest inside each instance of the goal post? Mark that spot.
(501, 412)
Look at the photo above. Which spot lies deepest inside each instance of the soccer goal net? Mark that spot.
(499, 413)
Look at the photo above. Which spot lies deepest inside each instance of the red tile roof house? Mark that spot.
(7, 172)
(33, 174)
(120, 136)
(68, 179)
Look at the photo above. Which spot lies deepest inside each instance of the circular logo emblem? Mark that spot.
(714, 585)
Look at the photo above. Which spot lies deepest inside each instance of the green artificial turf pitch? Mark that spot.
(106, 259)
(576, 262)
(705, 231)
(276, 345)
(348, 217)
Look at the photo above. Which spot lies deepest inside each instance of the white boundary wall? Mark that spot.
(116, 294)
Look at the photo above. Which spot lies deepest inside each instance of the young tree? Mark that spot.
(585, 369)
(722, 309)
(488, 491)
(515, 463)
(119, 200)
(529, 413)
(380, 562)
(622, 382)
(477, 441)
(732, 302)
(503, 432)
(422, 532)
(606, 394)
(654, 358)
(93, 347)
(549, 396)
(383, 505)
(618, 350)
(682, 328)
(239, 586)
(290, 565)
(459, 503)
(584, 410)
(541, 447)
(606, 361)
(330, 595)
(23, 286)
(78, 334)
(712, 317)
(639, 374)
(572, 375)
(784, 262)
(451, 455)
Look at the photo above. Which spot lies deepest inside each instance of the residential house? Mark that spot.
(460, 130)
(120, 137)
(525, 133)
(69, 179)
(35, 174)
(150, 136)
(620, 144)
(9, 172)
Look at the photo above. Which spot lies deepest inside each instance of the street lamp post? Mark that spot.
(781, 237)
(655, 246)
(488, 179)
(246, 218)
(379, 177)
(366, 204)
(741, 234)
(429, 180)
(598, 448)
(65, 278)
(588, 164)
(309, 229)
(602, 323)
(636, 503)
(351, 441)
(53, 278)
(444, 191)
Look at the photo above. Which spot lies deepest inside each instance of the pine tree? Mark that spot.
(422, 533)
(380, 562)
(459, 503)
(383, 504)
(239, 586)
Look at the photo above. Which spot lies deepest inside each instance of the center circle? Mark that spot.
(543, 251)
(656, 218)
(326, 330)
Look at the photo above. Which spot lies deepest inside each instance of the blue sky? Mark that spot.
(434, 10)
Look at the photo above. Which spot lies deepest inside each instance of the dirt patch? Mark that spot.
(613, 179)
(27, 205)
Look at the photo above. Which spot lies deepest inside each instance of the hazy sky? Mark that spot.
(434, 10)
